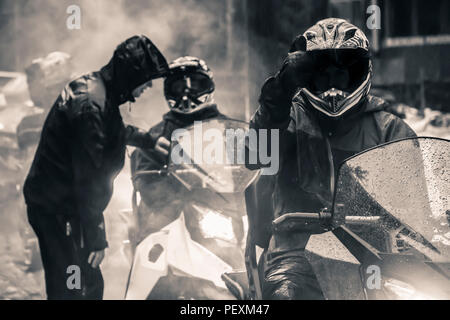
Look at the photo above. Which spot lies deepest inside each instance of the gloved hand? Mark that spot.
(162, 147)
(139, 138)
(277, 92)
(296, 72)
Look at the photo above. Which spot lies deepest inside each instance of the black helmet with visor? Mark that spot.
(189, 85)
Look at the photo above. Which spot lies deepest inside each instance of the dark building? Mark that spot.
(412, 56)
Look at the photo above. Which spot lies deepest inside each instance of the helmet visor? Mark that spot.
(343, 69)
(194, 85)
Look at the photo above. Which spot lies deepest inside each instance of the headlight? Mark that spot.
(399, 290)
(215, 225)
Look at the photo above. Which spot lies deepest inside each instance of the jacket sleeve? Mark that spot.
(92, 185)
(275, 117)
(274, 107)
(138, 138)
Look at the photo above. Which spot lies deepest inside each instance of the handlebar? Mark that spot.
(306, 219)
(315, 222)
(319, 216)
(362, 220)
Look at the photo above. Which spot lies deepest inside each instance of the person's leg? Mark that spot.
(92, 279)
(57, 254)
(290, 278)
(288, 275)
(59, 251)
(92, 283)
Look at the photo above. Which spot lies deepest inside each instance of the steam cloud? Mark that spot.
(177, 27)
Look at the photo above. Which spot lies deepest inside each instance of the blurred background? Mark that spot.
(243, 42)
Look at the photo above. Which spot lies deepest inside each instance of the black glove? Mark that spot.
(139, 138)
(277, 92)
(296, 72)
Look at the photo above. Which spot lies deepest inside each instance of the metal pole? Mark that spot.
(247, 62)
(229, 26)
(15, 13)
(423, 100)
(375, 33)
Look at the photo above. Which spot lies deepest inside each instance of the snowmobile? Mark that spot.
(387, 234)
(188, 257)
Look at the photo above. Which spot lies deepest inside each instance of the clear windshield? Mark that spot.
(210, 155)
(396, 197)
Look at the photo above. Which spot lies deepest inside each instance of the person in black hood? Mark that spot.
(81, 151)
(188, 88)
(320, 103)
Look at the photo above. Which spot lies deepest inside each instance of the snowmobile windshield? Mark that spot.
(211, 155)
(396, 197)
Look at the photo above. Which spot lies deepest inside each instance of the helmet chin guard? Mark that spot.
(188, 105)
(334, 103)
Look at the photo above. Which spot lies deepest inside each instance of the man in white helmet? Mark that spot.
(320, 102)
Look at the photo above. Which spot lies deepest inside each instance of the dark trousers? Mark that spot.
(288, 274)
(68, 276)
(290, 277)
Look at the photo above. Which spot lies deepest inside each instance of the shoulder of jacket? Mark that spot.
(384, 118)
(377, 102)
(87, 94)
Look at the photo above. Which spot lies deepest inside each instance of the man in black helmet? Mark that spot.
(189, 92)
(81, 151)
(320, 102)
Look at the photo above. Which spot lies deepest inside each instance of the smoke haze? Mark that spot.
(177, 27)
